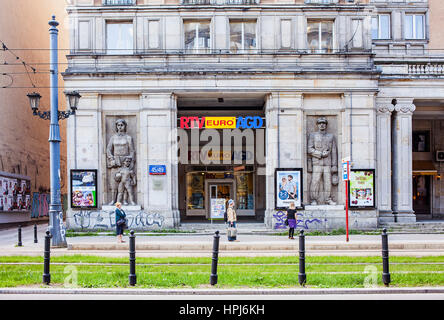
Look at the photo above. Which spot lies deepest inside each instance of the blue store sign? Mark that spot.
(157, 170)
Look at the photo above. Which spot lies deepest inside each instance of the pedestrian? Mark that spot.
(231, 218)
(291, 218)
(120, 222)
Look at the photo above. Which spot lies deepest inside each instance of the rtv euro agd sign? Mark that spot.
(221, 122)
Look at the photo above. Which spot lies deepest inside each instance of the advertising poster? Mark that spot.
(288, 184)
(84, 188)
(362, 188)
(217, 208)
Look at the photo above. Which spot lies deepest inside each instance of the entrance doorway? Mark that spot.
(219, 190)
(421, 195)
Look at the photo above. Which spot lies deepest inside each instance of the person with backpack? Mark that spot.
(231, 219)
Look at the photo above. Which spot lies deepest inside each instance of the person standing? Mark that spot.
(120, 215)
(291, 218)
(231, 218)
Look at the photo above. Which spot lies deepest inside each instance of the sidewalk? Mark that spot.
(201, 245)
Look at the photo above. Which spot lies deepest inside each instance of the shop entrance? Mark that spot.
(421, 195)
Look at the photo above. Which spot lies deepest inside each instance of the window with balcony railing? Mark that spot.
(219, 2)
(119, 2)
(321, 1)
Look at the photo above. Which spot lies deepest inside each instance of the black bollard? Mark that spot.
(302, 276)
(46, 258)
(19, 244)
(385, 259)
(213, 276)
(132, 258)
(35, 233)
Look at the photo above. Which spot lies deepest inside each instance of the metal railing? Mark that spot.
(119, 2)
(219, 2)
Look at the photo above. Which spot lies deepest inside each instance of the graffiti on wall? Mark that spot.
(40, 205)
(280, 217)
(86, 219)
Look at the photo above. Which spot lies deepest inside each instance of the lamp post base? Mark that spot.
(57, 229)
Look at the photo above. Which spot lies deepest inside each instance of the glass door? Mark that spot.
(421, 194)
(220, 193)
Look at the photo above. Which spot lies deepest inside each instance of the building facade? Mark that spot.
(184, 103)
(24, 147)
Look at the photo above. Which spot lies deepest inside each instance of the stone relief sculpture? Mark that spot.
(322, 162)
(120, 155)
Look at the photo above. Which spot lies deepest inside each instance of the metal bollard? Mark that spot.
(19, 244)
(46, 258)
(385, 259)
(302, 276)
(213, 276)
(132, 258)
(35, 233)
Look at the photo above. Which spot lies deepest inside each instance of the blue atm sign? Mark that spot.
(157, 170)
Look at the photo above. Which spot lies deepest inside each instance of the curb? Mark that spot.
(253, 246)
(225, 291)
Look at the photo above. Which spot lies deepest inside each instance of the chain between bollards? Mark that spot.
(35, 233)
(302, 276)
(385, 259)
(132, 259)
(19, 244)
(213, 276)
(46, 258)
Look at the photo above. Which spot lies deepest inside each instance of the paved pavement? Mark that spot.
(248, 245)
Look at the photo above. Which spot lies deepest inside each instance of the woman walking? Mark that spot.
(231, 218)
(120, 222)
(291, 218)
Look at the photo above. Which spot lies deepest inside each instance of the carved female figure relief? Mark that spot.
(120, 146)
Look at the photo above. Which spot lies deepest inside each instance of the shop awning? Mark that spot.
(424, 167)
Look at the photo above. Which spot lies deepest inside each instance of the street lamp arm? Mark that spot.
(46, 115)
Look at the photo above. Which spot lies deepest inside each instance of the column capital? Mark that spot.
(385, 109)
(405, 108)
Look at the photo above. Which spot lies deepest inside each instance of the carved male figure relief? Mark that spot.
(120, 146)
(323, 162)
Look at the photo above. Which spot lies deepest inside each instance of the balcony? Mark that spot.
(219, 2)
(119, 2)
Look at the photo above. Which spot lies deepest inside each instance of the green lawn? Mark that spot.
(180, 272)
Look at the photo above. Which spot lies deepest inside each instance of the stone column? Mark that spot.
(402, 161)
(158, 130)
(271, 143)
(384, 109)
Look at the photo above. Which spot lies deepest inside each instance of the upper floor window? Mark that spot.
(119, 37)
(381, 26)
(320, 36)
(197, 36)
(414, 26)
(243, 36)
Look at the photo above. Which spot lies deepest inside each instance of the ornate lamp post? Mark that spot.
(56, 227)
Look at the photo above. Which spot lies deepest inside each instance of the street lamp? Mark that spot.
(56, 226)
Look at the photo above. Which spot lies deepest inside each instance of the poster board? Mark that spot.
(217, 208)
(15, 192)
(288, 187)
(362, 188)
(83, 188)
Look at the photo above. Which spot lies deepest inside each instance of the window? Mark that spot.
(414, 26)
(421, 141)
(381, 27)
(197, 36)
(119, 38)
(242, 36)
(320, 36)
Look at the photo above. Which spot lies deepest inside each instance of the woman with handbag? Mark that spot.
(231, 218)
(120, 222)
(291, 220)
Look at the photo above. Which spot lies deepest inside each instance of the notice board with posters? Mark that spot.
(362, 188)
(84, 188)
(15, 192)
